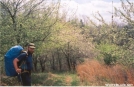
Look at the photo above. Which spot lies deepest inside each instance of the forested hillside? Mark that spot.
(77, 51)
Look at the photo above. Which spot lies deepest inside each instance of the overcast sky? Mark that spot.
(90, 7)
(88, 1)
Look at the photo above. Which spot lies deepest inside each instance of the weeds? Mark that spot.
(99, 74)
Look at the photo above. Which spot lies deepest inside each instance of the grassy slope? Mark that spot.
(47, 79)
(55, 79)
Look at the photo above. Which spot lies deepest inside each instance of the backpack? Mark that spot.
(11, 54)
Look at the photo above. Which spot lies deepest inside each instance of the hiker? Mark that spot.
(24, 71)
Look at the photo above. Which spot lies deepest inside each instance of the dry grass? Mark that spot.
(99, 74)
(68, 80)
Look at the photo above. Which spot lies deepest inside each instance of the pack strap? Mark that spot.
(25, 71)
(24, 61)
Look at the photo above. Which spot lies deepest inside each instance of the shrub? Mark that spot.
(99, 74)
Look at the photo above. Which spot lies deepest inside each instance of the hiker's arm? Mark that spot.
(15, 62)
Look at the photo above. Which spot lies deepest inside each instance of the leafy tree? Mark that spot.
(26, 21)
(121, 37)
(126, 14)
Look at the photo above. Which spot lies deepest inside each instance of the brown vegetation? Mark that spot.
(68, 80)
(100, 74)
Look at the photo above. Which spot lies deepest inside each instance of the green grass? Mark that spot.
(55, 79)
(48, 79)
(9, 81)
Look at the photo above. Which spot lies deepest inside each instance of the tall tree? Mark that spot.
(13, 7)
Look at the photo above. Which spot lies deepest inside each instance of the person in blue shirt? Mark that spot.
(23, 65)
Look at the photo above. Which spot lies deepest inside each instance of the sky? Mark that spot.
(88, 1)
(89, 8)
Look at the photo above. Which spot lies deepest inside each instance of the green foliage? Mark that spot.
(108, 52)
(41, 77)
(109, 59)
(105, 47)
(119, 35)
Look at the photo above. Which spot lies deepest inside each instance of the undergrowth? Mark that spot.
(99, 74)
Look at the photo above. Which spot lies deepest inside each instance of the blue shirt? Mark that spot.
(28, 59)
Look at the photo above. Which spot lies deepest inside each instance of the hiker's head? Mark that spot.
(31, 47)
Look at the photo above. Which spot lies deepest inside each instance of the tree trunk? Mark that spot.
(42, 67)
(59, 60)
(68, 57)
(35, 64)
(53, 60)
